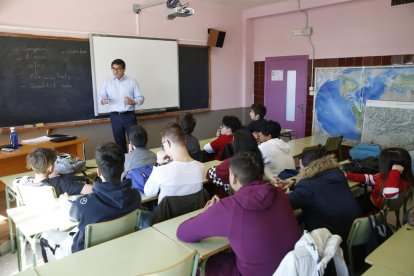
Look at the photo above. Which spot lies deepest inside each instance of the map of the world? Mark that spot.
(341, 95)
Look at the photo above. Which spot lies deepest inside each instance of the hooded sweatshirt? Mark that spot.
(107, 202)
(276, 157)
(257, 220)
(324, 196)
(62, 184)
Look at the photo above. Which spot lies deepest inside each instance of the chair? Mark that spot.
(228, 151)
(359, 234)
(31, 196)
(97, 233)
(318, 146)
(333, 145)
(395, 205)
(187, 266)
(174, 206)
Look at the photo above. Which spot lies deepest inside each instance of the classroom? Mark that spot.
(344, 33)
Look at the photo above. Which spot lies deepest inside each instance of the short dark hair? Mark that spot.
(187, 122)
(119, 61)
(173, 132)
(248, 167)
(271, 128)
(138, 136)
(259, 109)
(310, 155)
(232, 122)
(40, 159)
(110, 160)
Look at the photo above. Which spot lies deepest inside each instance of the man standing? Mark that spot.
(122, 93)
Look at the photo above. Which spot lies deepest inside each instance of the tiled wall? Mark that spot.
(259, 68)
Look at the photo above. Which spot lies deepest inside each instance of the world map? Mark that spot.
(341, 95)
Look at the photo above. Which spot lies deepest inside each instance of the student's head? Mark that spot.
(269, 130)
(110, 162)
(257, 111)
(229, 125)
(138, 136)
(396, 156)
(187, 122)
(41, 160)
(172, 134)
(245, 167)
(244, 140)
(308, 156)
(118, 68)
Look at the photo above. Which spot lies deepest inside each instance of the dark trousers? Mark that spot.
(120, 125)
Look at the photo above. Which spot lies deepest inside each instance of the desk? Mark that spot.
(202, 142)
(142, 252)
(395, 253)
(297, 145)
(15, 161)
(206, 247)
(380, 271)
(34, 220)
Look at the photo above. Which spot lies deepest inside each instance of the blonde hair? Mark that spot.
(41, 159)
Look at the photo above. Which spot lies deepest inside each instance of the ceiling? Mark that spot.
(241, 4)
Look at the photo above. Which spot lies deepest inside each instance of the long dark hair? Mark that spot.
(395, 156)
(244, 141)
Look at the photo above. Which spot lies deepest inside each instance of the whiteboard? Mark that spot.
(152, 62)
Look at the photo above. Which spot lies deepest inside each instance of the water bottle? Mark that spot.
(14, 139)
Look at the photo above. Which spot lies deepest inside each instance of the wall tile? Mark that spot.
(386, 60)
(341, 62)
(349, 61)
(358, 61)
(367, 61)
(376, 60)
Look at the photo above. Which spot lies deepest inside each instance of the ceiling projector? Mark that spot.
(179, 12)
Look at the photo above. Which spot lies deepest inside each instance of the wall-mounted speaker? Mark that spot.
(215, 38)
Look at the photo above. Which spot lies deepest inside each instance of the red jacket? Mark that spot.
(392, 187)
(219, 143)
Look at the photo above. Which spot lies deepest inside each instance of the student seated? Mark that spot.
(175, 173)
(257, 220)
(219, 175)
(42, 162)
(138, 155)
(395, 176)
(323, 194)
(111, 199)
(276, 152)
(257, 113)
(224, 136)
(188, 123)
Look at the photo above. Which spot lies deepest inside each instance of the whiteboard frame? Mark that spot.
(139, 110)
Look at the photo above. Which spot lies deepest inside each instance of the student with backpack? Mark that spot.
(395, 176)
(42, 162)
(139, 160)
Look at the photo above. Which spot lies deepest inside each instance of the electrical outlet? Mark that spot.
(303, 31)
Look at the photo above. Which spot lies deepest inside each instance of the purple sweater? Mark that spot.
(257, 220)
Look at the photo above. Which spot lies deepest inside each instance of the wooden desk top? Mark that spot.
(28, 148)
(297, 145)
(142, 252)
(32, 220)
(395, 253)
(380, 271)
(205, 247)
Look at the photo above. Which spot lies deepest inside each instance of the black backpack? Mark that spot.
(380, 231)
(367, 165)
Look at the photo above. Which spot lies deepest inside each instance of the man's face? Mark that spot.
(264, 138)
(118, 71)
(253, 116)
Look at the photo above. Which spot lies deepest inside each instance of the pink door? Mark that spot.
(285, 91)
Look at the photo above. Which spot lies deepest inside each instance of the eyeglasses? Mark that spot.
(117, 69)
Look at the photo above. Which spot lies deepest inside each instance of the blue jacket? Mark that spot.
(324, 196)
(108, 201)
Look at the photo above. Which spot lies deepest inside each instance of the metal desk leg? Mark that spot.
(20, 251)
(9, 192)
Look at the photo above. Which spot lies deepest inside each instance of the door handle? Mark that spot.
(301, 108)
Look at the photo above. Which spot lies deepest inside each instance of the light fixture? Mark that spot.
(175, 8)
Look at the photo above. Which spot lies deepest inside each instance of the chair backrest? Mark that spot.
(174, 206)
(395, 205)
(31, 196)
(333, 143)
(96, 233)
(359, 234)
(318, 146)
(187, 266)
(228, 151)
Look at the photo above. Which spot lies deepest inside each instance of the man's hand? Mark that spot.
(162, 157)
(211, 202)
(105, 101)
(128, 101)
(284, 184)
(398, 168)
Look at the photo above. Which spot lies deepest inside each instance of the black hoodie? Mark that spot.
(108, 201)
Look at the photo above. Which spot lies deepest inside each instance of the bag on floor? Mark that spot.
(380, 231)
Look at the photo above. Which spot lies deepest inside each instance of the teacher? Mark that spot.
(122, 93)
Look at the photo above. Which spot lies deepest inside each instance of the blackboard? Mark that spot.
(48, 80)
(44, 80)
(194, 77)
